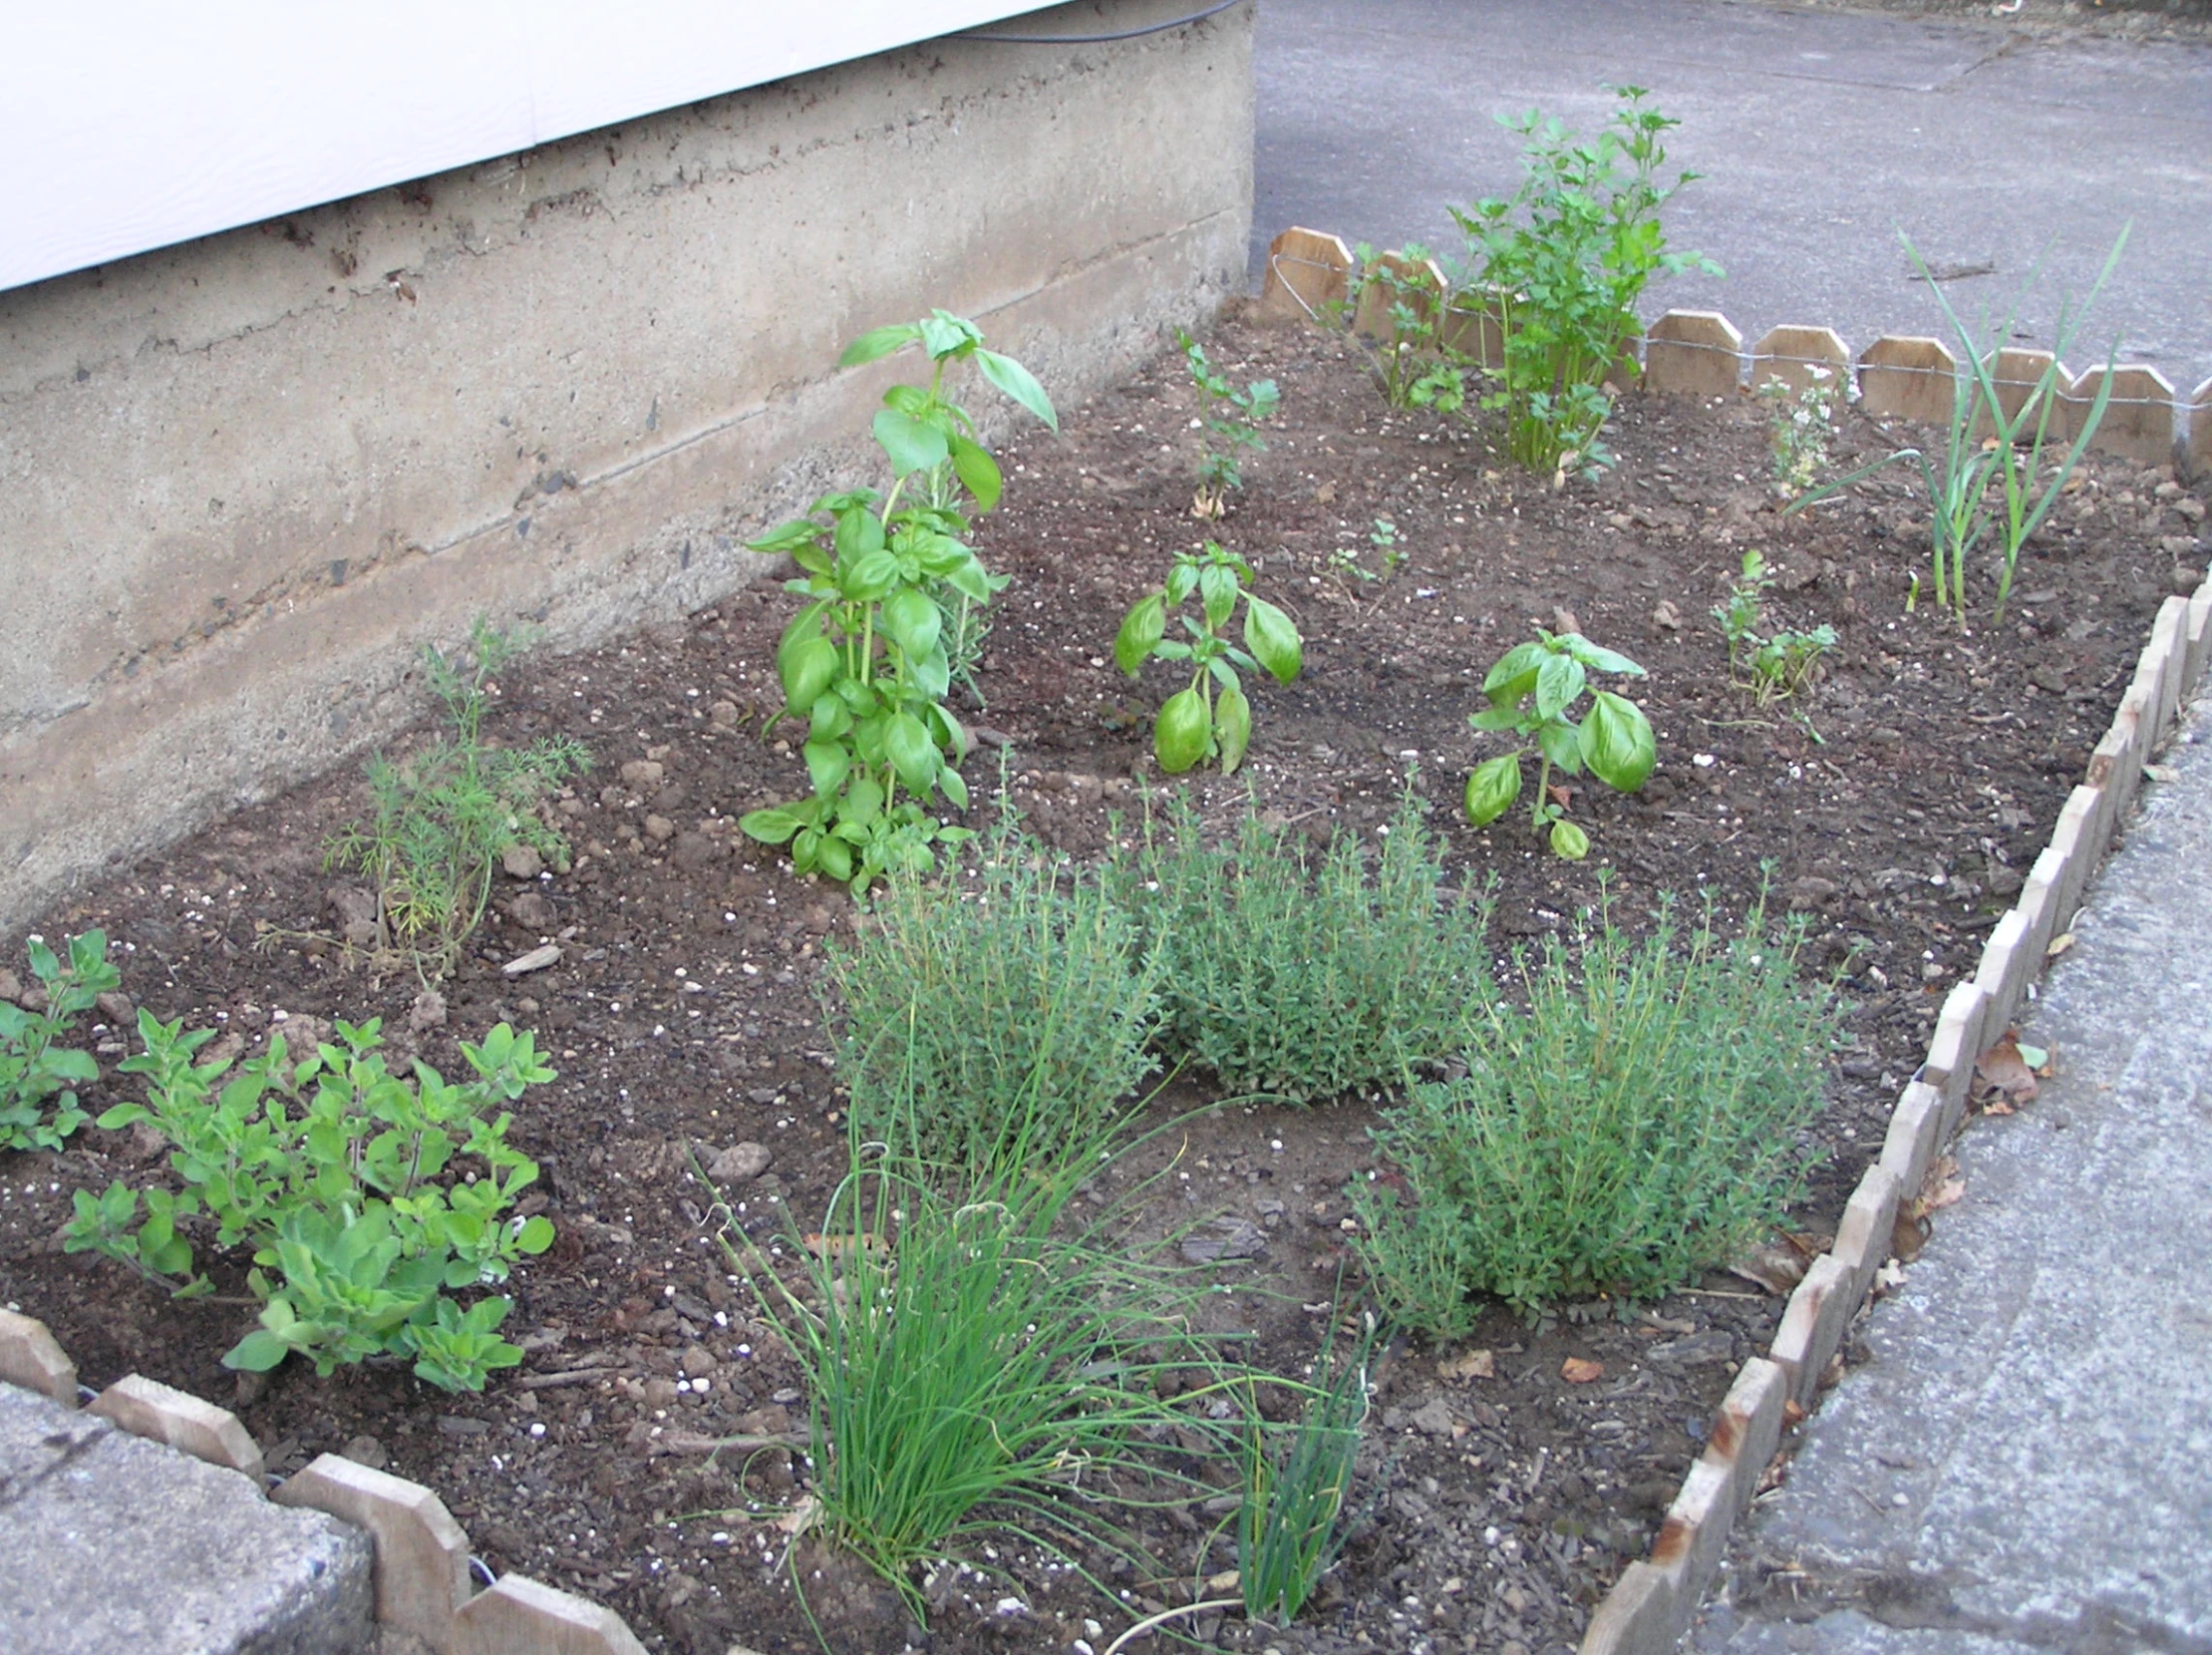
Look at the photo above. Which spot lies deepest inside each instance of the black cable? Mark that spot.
(1099, 40)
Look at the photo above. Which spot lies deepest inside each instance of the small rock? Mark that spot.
(116, 1007)
(537, 959)
(1433, 1418)
(659, 1392)
(366, 1450)
(724, 712)
(428, 1012)
(2186, 578)
(1224, 1239)
(11, 988)
(460, 1424)
(1811, 892)
(523, 862)
(659, 829)
(739, 1163)
(303, 1034)
(697, 1362)
(534, 913)
(1667, 618)
(642, 773)
(692, 851)
(350, 905)
(1697, 1351)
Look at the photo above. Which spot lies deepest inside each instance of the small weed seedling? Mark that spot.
(1231, 421)
(1744, 613)
(1565, 261)
(1344, 564)
(36, 1074)
(1785, 663)
(329, 1169)
(1413, 365)
(1532, 689)
(1803, 425)
(1776, 666)
(864, 665)
(444, 817)
(1210, 717)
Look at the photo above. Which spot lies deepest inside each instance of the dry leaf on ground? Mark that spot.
(1940, 1189)
(1578, 1370)
(1467, 1365)
(1781, 1264)
(2007, 1077)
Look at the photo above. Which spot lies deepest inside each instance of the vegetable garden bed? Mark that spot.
(1896, 803)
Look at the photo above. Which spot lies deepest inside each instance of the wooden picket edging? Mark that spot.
(1700, 353)
(422, 1583)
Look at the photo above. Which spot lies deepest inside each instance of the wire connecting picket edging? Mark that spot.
(1702, 353)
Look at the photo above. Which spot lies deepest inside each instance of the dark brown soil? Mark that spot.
(1495, 1512)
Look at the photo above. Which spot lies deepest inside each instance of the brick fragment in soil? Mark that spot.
(682, 1011)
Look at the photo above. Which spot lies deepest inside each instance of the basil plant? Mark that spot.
(1531, 691)
(864, 665)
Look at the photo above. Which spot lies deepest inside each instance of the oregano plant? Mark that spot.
(864, 665)
(1531, 690)
(1209, 718)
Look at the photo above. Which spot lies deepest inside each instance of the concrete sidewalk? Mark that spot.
(1820, 135)
(2026, 1461)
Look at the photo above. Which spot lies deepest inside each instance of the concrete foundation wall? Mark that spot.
(246, 477)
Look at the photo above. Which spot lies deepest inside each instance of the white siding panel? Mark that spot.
(135, 124)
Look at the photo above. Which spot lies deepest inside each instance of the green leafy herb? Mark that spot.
(1307, 976)
(1636, 1125)
(345, 1180)
(1296, 1481)
(1232, 420)
(443, 818)
(1531, 690)
(36, 1075)
(998, 1015)
(1563, 263)
(1209, 718)
(866, 664)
